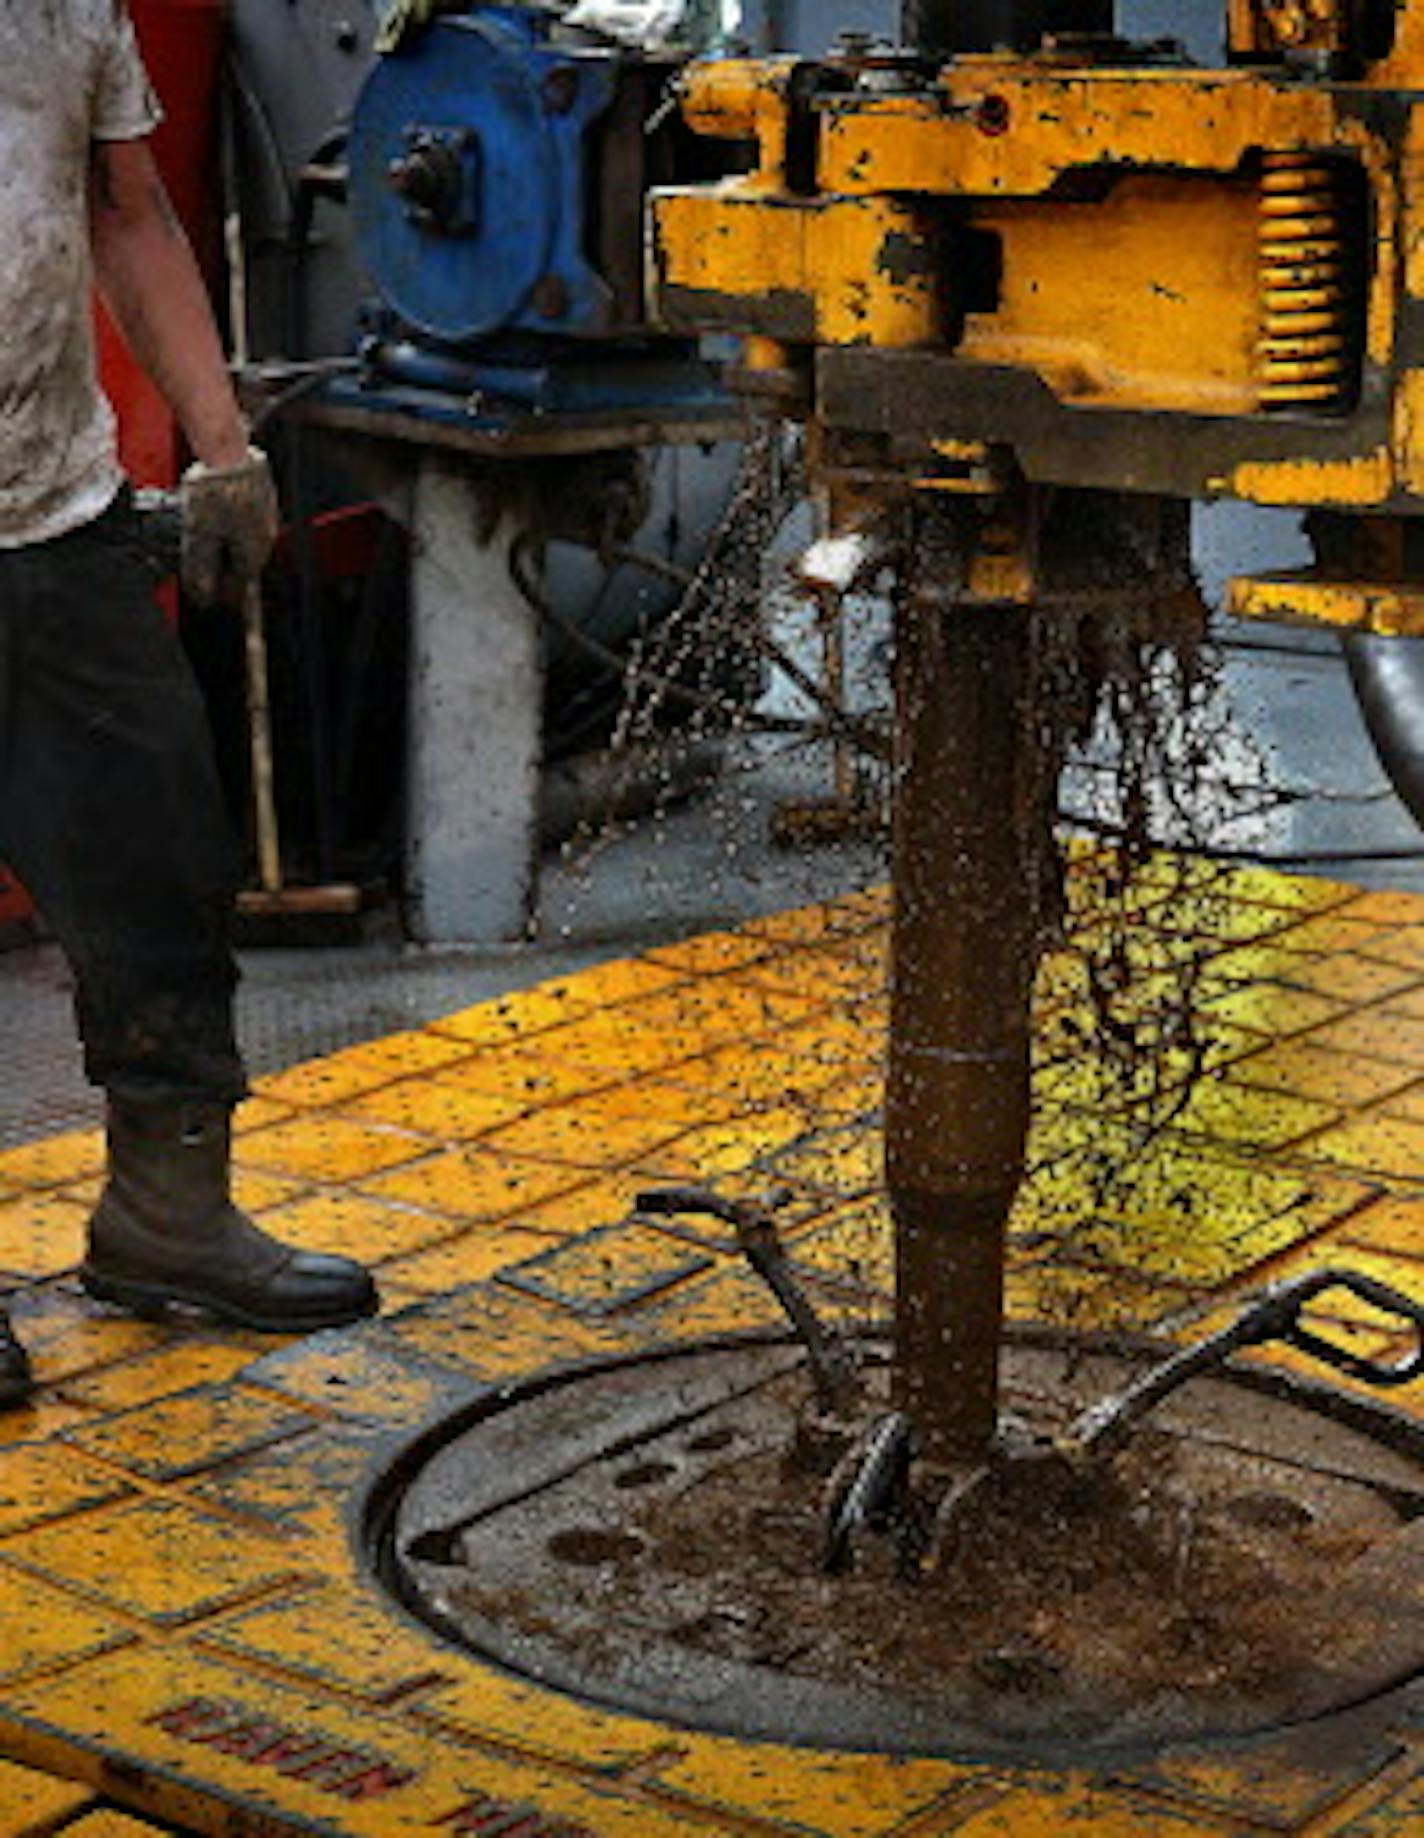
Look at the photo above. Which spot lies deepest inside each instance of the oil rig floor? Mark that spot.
(189, 1629)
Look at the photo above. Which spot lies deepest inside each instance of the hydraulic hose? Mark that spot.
(1388, 675)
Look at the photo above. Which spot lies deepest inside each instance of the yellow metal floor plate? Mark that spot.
(188, 1636)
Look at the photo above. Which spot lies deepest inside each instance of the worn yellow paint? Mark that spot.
(1292, 893)
(483, 1251)
(1306, 599)
(1300, 1069)
(43, 1629)
(178, 1366)
(1393, 1814)
(1281, 1783)
(730, 97)
(110, 1824)
(1230, 1112)
(601, 1131)
(855, 1796)
(724, 1304)
(712, 952)
(1346, 976)
(1336, 931)
(1359, 483)
(1381, 1033)
(1403, 946)
(326, 1147)
(379, 1659)
(1079, 1810)
(849, 271)
(531, 1011)
(1381, 1143)
(1125, 208)
(1407, 1103)
(43, 1481)
(1393, 1226)
(158, 1559)
(34, 1805)
(1268, 1008)
(359, 1069)
(443, 1112)
(300, 1492)
(853, 1248)
(496, 1335)
(470, 1184)
(53, 1161)
(1145, 299)
(1412, 182)
(1204, 121)
(200, 1725)
(189, 1431)
(726, 1148)
(66, 1335)
(41, 1234)
(602, 1272)
(1409, 428)
(362, 1227)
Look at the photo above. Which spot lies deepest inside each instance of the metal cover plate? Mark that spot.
(638, 1537)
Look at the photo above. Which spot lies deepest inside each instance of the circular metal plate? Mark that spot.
(639, 1537)
(463, 75)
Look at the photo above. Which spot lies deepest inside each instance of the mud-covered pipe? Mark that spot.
(957, 1100)
(1388, 675)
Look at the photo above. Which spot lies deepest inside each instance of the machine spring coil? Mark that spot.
(1305, 354)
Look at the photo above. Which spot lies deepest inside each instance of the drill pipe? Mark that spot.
(967, 829)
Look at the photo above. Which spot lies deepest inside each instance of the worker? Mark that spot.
(110, 809)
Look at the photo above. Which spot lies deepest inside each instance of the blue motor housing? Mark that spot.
(470, 182)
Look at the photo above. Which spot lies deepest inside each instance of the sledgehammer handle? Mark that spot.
(259, 728)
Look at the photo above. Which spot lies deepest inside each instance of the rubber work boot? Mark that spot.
(166, 1230)
(16, 1383)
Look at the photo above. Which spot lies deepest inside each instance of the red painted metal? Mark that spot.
(181, 42)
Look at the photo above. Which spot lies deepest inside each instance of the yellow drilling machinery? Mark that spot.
(1010, 272)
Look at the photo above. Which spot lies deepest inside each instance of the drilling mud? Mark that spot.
(648, 1537)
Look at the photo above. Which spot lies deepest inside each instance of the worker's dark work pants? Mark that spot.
(110, 812)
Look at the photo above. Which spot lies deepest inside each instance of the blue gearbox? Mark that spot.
(468, 177)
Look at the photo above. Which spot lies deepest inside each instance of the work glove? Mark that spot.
(230, 522)
(405, 16)
(649, 24)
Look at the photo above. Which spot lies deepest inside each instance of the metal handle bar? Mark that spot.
(832, 1366)
(1273, 1315)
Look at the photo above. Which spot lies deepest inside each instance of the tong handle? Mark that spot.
(1104, 1427)
(1281, 1319)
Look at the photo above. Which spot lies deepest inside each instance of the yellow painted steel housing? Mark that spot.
(1133, 276)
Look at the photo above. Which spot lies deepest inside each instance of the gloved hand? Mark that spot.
(230, 522)
(404, 16)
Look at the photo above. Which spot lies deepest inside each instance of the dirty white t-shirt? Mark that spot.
(70, 74)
